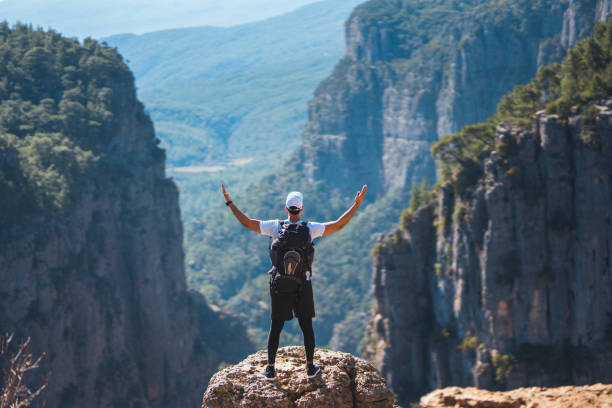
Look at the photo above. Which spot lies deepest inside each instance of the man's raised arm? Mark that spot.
(335, 226)
(249, 223)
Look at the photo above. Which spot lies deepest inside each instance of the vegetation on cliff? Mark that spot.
(584, 77)
(60, 104)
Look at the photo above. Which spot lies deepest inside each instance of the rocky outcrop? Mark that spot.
(345, 381)
(595, 396)
(515, 283)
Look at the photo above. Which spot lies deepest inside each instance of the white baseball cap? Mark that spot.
(294, 199)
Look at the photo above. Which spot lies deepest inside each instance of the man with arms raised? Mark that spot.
(291, 255)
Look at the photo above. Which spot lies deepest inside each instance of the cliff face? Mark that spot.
(516, 282)
(100, 287)
(374, 119)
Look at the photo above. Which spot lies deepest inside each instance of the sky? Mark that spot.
(96, 19)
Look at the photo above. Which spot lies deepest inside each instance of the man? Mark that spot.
(300, 302)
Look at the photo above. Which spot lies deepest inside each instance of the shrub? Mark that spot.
(460, 212)
(419, 197)
(468, 343)
(15, 364)
(438, 269)
(376, 249)
(504, 364)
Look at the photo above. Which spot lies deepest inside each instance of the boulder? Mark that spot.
(344, 381)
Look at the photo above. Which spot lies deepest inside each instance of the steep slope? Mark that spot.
(413, 72)
(504, 279)
(91, 264)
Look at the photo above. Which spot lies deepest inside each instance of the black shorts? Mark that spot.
(300, 302)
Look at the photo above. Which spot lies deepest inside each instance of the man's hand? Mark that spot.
(360, 195)
(251, 224)
(225, 194)
(334, 226)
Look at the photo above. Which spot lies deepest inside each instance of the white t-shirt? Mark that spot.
(271, 228)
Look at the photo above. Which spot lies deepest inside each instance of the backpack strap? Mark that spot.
(305, 224)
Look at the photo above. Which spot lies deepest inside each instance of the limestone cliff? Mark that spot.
(98, 283)
(413, 73)
(513, 285)
(345, 381)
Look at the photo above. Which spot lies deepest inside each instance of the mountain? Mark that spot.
(97, 19)
(501, 279)
(91, 262)
(220, 94)
(413, 72)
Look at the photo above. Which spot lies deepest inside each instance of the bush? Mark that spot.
(419, 197)
(504, 364)
(460, 212)
(468, 343)
(14, 365)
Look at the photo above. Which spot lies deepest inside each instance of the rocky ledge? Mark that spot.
(592, 396)
(345, 381)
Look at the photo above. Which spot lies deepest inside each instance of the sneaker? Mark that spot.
(268, 373)
(312, 370)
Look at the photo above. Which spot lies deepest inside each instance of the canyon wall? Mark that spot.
(508, 283)
(97, 281)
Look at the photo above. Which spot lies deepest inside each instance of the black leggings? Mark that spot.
(274, 336)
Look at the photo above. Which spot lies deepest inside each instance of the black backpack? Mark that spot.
(291, 255)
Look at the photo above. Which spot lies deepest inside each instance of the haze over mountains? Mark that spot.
(96, 19)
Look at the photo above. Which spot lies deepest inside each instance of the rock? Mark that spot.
(593, 396)
(345, 381)
(516, 281)
(101, 288)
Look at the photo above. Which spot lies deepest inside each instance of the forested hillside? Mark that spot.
(500, 276)
(413, 72)
(232, 102)
(58, 113)
(217, 94)
(91, 263)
